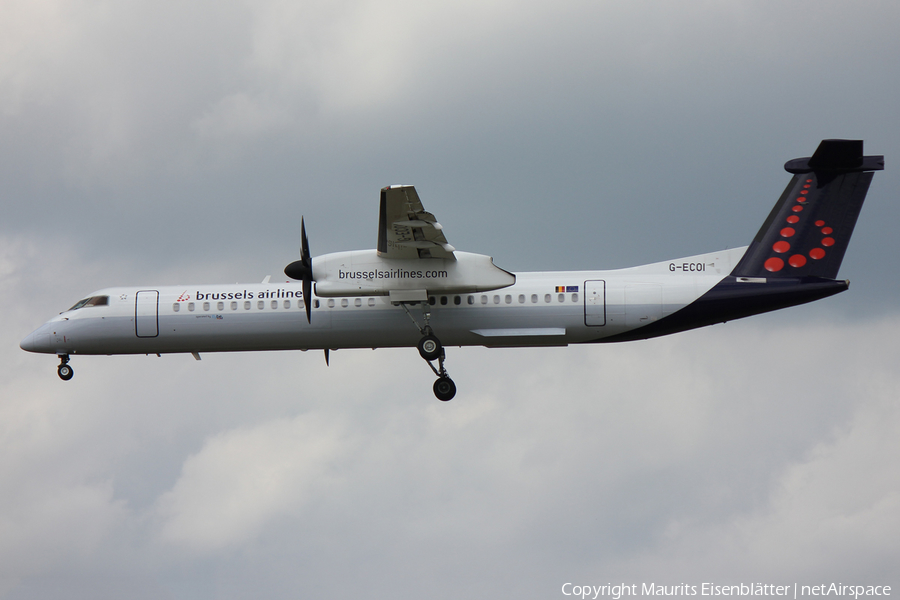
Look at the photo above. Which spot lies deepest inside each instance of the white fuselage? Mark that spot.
(539, 309)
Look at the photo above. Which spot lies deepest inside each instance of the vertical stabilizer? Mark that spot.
(808, 231)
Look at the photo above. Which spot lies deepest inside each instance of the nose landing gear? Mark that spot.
(64, 371)
(431, 349)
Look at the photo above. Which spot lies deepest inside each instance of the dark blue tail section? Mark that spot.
(807, 232)
(796, 255)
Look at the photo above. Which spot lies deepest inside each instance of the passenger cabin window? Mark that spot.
(521, 298)
(190, 306)
(261, 304)
(274, 303)
(534, 298)
(220, 306)
(246, 305)
(287, 303)
(234, 306)
(176, 307)
(206, 306)
(471, 300)
(358, 302)
(371, 301)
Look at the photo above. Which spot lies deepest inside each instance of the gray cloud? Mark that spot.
(594, 112)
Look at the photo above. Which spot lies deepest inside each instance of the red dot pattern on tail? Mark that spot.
(775, 264)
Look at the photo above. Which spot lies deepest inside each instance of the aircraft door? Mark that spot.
(595, 303)
(146, 313)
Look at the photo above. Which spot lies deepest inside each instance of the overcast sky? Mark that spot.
(162, 143)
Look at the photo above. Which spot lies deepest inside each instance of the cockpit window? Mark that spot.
(98, 301)
(79, 304)
(92, 301)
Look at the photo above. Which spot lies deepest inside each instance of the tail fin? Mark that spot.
(807, 232)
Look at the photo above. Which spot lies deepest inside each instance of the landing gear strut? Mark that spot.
(431, 349)
(64, 371)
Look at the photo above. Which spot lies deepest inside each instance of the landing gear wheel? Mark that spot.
(430, 347)
(444, 389)
(65, 372)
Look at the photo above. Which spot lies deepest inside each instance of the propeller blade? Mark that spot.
(304, 245)
(307, 298)
(308, 275)
(302, 270)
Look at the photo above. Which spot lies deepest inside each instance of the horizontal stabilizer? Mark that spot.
(836, 156)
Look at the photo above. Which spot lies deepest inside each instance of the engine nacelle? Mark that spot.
(364, 273)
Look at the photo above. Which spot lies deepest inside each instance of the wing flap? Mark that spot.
(406, 229)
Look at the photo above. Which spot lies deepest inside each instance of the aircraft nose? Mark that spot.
(28, 343)
(37, 341)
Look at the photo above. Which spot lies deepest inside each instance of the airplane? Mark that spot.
(415, 289)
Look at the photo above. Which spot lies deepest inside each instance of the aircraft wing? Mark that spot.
(406, 230)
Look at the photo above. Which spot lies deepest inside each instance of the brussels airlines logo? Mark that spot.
(184, 297)
(391, 274)
(278, 293)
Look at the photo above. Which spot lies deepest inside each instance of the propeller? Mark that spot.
(302, 270)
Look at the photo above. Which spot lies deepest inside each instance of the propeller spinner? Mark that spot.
(302, 270)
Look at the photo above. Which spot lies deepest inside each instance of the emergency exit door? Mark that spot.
(595, 302)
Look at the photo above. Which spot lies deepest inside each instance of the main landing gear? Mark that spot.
(64, 371)
(431, 349)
